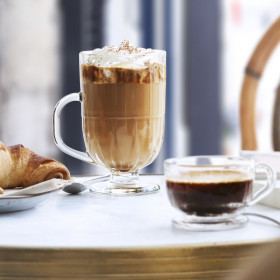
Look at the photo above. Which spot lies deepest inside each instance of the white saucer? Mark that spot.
(23, 202)
(21, 199)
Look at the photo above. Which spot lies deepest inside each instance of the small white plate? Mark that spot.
(23, 202)
(22, 199)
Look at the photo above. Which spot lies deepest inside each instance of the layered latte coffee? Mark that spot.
(123, 96)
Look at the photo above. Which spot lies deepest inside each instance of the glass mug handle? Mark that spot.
(57, 131)
(268, 187)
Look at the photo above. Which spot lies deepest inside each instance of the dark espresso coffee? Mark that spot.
(209, 198)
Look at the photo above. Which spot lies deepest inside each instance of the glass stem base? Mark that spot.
(192, 223)
(123, 184)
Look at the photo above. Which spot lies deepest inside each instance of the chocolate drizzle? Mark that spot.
(155, 73)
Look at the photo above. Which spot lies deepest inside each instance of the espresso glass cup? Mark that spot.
(211, 192)
(123, 109)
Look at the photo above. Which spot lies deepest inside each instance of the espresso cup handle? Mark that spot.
(268, 187)
(57, 131)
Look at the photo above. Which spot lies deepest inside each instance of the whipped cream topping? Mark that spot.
(125, 56)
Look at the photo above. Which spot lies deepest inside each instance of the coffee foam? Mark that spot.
(125, 56)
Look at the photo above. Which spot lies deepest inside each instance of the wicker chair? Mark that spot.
(253, 74)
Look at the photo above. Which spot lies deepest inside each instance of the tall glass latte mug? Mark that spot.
(123, 107)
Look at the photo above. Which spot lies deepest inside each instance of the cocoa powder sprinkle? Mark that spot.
(126, 46)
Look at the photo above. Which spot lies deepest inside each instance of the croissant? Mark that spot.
(21, 167)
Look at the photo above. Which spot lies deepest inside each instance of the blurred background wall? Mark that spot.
(208, 44)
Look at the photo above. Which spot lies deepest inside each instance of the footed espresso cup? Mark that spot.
(123, 106)
(211, 192)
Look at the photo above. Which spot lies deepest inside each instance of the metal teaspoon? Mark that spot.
(76, 187)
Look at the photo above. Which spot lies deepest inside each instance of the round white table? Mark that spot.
(102, 237)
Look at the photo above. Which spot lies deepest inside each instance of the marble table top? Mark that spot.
(93, 221)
